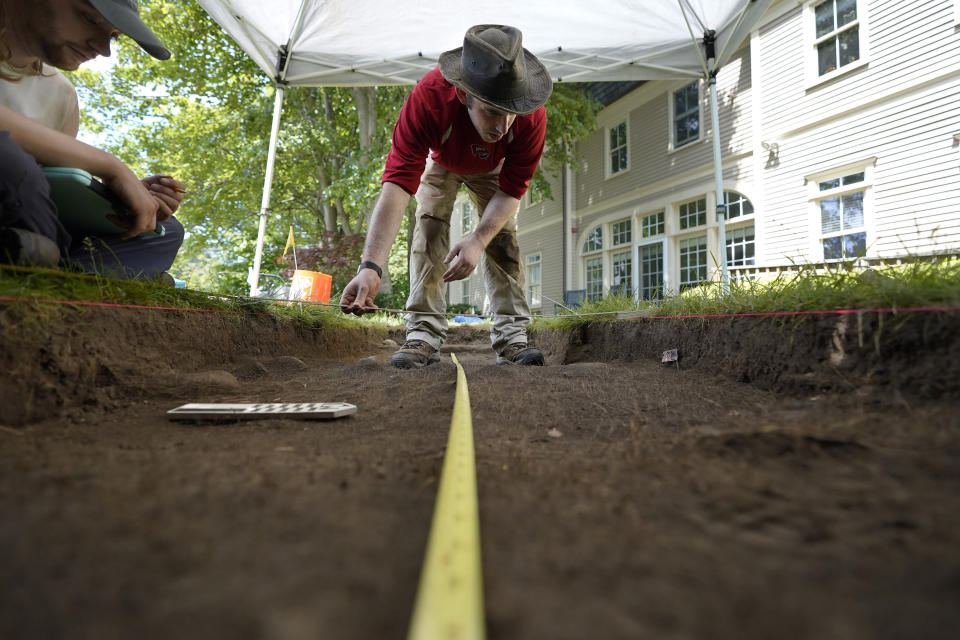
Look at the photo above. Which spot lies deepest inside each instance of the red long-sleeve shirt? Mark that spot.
(431, 111)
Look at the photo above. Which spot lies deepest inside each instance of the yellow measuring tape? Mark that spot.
(450, 598)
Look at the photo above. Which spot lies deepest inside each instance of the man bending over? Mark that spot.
(480, 118)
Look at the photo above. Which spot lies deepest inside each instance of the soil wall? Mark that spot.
(913, 354)
(54, 359)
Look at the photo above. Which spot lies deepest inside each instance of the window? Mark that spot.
(533, 280)
(737, 205)
(837, 34)
(618, 148)
(741, 247)
(693, 214)
(465, 291)
(622, 273)
(622, 232)
(686, 114)
(693, 262)
(467, 222)
(651, 271)
(594, 241)
(595, 278)
(842, 226)
(652, 225)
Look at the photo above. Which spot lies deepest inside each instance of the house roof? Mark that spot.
(606, 93)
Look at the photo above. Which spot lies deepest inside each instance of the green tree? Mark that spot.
(571, 115)
(204, 117)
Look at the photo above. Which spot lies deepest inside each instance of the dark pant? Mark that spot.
(25, 203)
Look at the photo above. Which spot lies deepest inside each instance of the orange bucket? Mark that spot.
(310, 285)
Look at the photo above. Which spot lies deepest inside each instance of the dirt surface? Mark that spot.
(762, 486)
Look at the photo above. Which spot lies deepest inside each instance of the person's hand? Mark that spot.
(167, 191)
(358, 295)
(465, 256)
(142, 204)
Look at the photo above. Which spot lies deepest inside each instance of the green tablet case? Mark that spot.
(85, 203)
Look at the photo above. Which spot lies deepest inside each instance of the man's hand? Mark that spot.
(167, 191)
(465, 256)
(358, 296)
(141, 203)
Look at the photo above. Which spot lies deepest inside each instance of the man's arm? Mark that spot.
(465, 255)
(56, 148)
(385, 222)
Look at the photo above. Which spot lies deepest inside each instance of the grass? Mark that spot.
(921, 283)
(26, 284)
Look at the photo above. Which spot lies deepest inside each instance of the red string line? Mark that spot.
(800, 313)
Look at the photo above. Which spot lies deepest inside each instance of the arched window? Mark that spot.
(741, 240)
(737, 204)
(594, 241)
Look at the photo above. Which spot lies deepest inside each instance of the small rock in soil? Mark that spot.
(210, 381)
(362, 365)
(250, 370)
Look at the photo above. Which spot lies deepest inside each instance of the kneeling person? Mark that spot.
(39, 119)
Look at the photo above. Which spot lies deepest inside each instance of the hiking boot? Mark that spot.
(520, 353)
(414, 354)
(27, 249)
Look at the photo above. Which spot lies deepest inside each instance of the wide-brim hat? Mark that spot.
(125, 16)
(493, 66)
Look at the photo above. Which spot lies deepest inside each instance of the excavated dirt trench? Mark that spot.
(784, 478)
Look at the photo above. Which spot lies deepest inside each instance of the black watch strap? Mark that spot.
(366, 264)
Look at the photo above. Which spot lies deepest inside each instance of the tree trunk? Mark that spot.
(348, 228)
(329, 213)
(366, 100)
(335, 164)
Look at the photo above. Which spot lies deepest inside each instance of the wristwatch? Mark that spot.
(366, 264)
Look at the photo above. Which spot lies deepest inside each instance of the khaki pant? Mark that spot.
(502, 271)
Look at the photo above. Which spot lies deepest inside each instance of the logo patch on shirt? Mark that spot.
(480, 151)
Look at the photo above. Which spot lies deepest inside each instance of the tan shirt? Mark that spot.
(48, 98)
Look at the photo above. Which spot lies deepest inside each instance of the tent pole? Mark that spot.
(564, 214)
(718, 178)
(267, 184)
(710, 53)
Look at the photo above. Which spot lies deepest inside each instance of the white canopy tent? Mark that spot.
(382, 42)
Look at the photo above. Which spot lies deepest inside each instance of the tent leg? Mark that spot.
(718, 177)
(267, 184)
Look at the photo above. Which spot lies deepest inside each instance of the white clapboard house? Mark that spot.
(840, 134)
